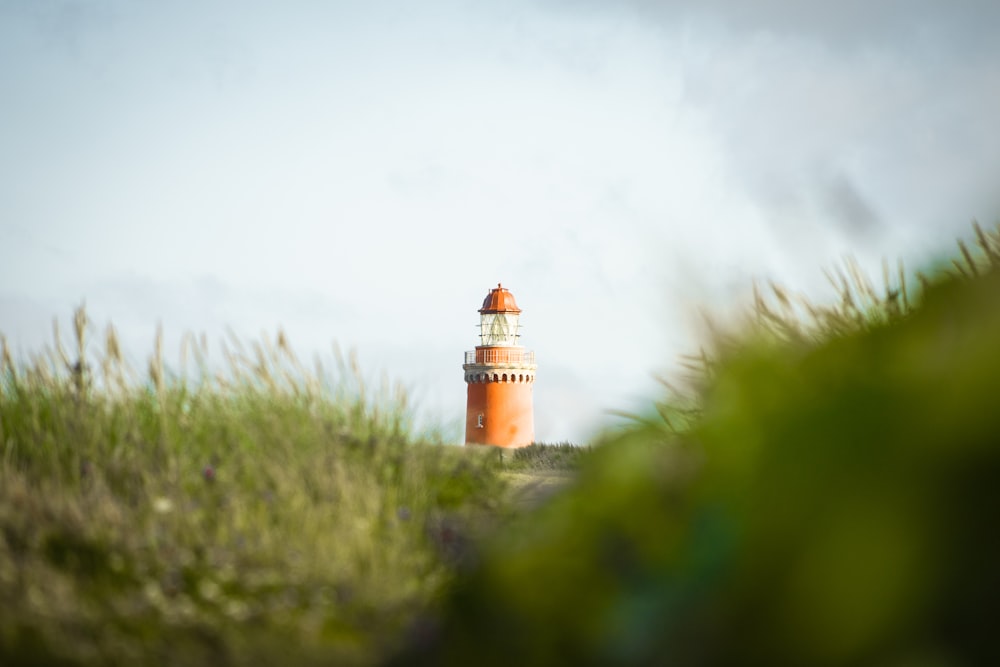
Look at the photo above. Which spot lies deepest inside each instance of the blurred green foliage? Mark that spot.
(827, 494)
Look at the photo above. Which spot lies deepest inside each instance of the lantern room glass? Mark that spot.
(499, 329)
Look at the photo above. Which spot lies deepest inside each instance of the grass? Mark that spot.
(534, 474)
(562, 456)
(820, 490)
(823, 491)
(263, 514)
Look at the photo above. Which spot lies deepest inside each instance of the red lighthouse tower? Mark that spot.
(500, 374)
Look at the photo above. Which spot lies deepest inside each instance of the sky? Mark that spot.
(361, 173)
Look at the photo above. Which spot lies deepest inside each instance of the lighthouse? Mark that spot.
(500, 375)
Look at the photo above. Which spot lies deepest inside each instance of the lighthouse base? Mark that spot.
(500, 413)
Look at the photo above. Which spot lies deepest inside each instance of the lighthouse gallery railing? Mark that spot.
(499, 355)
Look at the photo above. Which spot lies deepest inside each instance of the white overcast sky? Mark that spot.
(363, 172)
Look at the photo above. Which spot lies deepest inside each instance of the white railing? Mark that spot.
(499, 355)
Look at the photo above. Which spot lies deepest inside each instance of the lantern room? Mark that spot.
(498, 319)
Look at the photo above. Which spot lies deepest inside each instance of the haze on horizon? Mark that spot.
(364, 172)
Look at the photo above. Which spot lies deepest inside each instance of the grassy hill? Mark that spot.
(823, 491)
(267, 514)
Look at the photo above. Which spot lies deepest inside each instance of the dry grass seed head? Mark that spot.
(989, 243)
(80, 330)
(6, 361)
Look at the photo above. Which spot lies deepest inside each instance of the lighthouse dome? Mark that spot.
(499, 300)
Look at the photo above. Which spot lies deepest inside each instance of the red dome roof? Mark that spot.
(499, 300)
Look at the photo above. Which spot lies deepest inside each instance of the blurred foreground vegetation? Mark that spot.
(822, 490)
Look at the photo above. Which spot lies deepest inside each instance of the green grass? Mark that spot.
(269, 514)
(541, 457)
(824, 491)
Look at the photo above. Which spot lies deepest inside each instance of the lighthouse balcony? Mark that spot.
(500, 355)
(485, 374)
